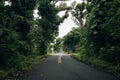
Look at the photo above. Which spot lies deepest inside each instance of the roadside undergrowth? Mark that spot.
(99, 64)
(23, 67)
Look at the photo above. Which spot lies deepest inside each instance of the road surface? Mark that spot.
(63, 67)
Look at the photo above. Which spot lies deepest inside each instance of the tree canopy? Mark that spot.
(71, 40)
(23, 37)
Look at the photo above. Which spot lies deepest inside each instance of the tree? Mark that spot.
(15, 41)
(22, 37)
(58, 45)
(63, 6)
(101, 32)
(79, 14)
(49, 21)
(71, 40)
(99, 36)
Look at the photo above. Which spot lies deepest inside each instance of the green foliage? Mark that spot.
(58, 45)
(24, 7)
(100, 36)
(104, 33)
(79, 13)
(98, 63)
(101, 33)
(49, 22)
(71, 40)
(63, 6)
(21, 37)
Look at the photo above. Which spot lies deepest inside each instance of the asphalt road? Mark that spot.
(63, 67)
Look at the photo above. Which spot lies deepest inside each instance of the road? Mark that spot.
(63, 67)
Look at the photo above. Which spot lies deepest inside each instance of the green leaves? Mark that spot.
(22, 36)
(16, 26)
(104, 28)
(58, 45)
(49, 21)
(71, 40)
(80, 13)
(101, 34)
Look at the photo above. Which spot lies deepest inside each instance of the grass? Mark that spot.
(24, 66)
(99, 64)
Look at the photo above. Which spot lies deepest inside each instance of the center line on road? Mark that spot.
(59, 59)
